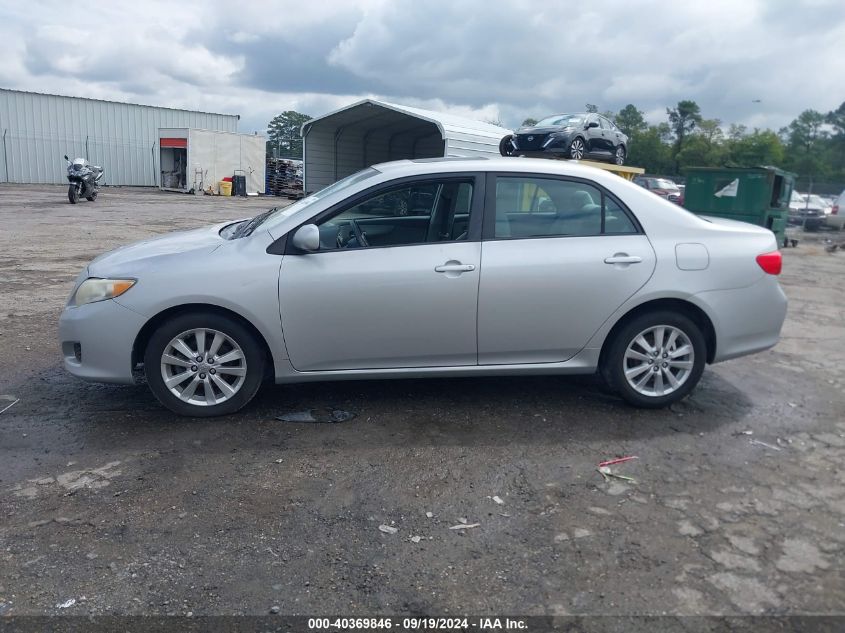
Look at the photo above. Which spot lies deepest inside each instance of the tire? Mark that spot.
(505, 146)
(620, 155)
(72, 194)
(577, 149)
(243, 373)
(686, 372)
(92, 197)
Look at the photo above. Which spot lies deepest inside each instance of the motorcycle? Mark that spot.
(84, 180)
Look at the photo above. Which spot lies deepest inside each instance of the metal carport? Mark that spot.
(370, 132)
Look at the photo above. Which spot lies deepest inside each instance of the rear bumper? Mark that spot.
(812, 222)
(96, 341)
(835, 221)
(746, 320)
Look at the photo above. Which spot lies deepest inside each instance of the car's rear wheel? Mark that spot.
(655, 359)
(203, 364)
(577, 149)
(619, 156)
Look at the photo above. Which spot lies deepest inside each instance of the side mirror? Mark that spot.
(66, 158)
(592, 124)
(307, 238)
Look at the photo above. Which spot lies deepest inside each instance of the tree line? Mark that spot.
(812, 145)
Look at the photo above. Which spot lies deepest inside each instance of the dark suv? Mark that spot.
(579, 135)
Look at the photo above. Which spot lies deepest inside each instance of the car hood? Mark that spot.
(133, 258)
(541, 130)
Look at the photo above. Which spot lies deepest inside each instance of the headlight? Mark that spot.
(94, 289)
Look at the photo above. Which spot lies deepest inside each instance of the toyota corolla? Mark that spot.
(432, 268)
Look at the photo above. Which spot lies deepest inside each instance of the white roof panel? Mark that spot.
(448, 123)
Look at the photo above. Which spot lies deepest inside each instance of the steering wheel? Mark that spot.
(359, 234)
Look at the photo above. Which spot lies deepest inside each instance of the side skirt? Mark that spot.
(585, 362)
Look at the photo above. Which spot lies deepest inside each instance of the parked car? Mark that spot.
(577, 136)
(808, 211)
(663, 187)
(819, 202)
(508, 267)
(836, 219)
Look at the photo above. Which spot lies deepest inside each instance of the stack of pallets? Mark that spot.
(284, 177)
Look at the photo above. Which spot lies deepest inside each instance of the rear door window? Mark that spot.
(531, 207)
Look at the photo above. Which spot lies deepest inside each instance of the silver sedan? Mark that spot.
(432, 268)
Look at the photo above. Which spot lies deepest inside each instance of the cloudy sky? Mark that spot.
(491, 59)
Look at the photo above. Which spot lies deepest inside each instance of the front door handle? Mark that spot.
(454, 267)
(623, 258)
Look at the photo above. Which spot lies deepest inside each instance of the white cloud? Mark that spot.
(502, 60)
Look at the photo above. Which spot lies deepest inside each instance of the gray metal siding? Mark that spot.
(121, 137)
(319, 159)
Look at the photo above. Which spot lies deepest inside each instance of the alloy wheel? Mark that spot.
(620, 155)
(576, 150)
(203, 367)
(658, 361)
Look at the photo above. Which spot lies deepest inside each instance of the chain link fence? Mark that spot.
(808, 185)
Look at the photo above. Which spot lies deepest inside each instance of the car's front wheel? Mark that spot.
(655, 359)
(203, 364)
(619, 156)
(577, 149)
(506, 145)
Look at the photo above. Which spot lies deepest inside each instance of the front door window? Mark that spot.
(418, 213)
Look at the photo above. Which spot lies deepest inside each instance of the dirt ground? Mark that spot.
(109, 500)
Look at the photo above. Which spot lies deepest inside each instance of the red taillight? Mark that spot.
(834, 210)
(771, 263)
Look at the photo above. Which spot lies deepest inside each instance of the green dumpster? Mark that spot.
(758, 195)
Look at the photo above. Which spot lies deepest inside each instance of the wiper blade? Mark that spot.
(248, 227)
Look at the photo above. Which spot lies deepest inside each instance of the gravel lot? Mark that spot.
(108, 499)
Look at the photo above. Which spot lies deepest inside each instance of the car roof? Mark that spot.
(492, 163)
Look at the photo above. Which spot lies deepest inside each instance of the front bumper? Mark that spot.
(96, 341)
(546, 144)
(812, 220)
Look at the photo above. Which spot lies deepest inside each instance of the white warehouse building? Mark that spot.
(38, 129)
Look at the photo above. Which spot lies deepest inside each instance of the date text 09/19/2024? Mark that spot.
(418, 624)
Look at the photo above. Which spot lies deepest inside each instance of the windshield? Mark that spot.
(562, 119)
(248, 226)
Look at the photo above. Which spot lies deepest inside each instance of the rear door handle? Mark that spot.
(454, 267)
(622, 258)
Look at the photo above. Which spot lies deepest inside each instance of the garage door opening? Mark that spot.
(174, 162)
